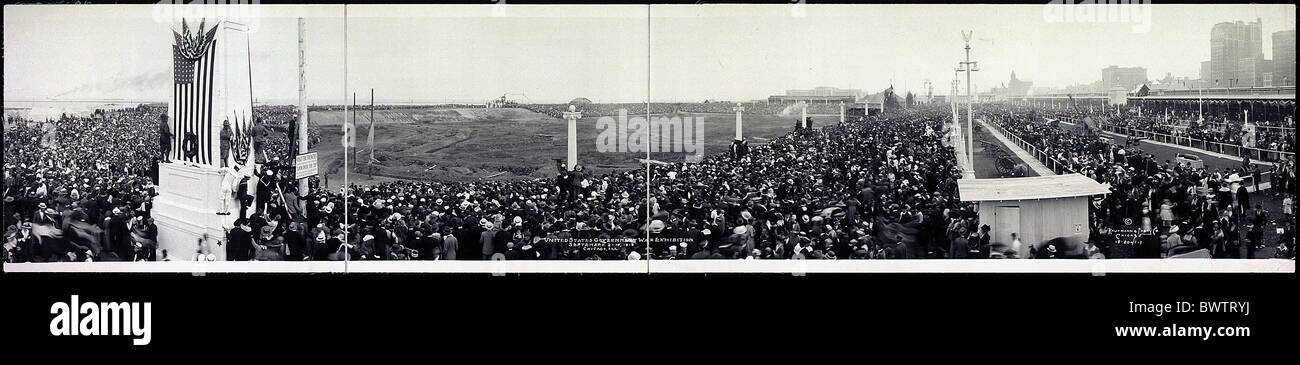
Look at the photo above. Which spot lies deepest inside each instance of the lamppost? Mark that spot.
(968, 67)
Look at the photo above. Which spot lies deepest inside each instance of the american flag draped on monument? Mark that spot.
(192, 67)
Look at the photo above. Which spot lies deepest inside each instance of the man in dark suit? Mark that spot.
(985, 246)
(119, 234)
(297, 244)
(239, 243)
(43, 215)
(165, 138)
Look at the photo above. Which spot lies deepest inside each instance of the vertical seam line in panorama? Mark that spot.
(347, 231)
(646, 199)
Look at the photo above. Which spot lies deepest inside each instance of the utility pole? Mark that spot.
(303, 189)
(354, 118)
(370, 166)
(968, 67)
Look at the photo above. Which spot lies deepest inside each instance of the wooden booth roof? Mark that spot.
(1029, 188)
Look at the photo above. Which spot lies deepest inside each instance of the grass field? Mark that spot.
(463, 144)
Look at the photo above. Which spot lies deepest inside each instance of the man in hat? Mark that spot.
(487, 239)
(1172, 242)
(958, 247)
(226, 136)
(449, 244)
(1254, 238)
(119, 233)
(266, 185)
(267, 246)
(319, 249)
(164, 138)
(10, 211)
(295, 242)
(1243, 200)
(43, 214)
(260, 135)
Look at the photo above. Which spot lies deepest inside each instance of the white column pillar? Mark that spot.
(572, 117)
(803, 116)
(841, 112)
(738, 109)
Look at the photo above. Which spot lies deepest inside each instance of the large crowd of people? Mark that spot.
(84, 181)
(575, 216)
(81, 187)
(1180, 207)
(877, 187)
(1274, 126)
(868, 189)
(881, 187)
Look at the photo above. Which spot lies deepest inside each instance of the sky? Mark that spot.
(124, 52)
(466, 54)
(731, 52)
(549, 54)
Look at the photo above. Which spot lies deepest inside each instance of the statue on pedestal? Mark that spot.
(226, 136)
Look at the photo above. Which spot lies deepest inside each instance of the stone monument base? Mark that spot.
(189, 198)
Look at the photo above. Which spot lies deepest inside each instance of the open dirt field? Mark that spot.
(720, 130)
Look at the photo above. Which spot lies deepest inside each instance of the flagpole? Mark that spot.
(371, 139)
(354, 118)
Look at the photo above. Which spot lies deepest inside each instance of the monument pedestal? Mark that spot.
(189, 198)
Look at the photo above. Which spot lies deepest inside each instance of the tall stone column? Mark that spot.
(803, 115)
(738, 108)
(572, 117)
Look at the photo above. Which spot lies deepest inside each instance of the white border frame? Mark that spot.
(797, 267)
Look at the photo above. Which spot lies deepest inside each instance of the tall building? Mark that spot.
(1205, 70)
(1236, 54)
(1015, 87)
(1126, 78)
(1284, 58)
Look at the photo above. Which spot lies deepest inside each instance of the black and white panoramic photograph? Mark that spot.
(314, 135)
(622, 145)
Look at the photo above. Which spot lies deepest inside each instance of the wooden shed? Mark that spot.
(1037, 209)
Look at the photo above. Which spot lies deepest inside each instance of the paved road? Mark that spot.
(986, 161)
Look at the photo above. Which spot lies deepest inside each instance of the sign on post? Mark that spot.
(305, 165)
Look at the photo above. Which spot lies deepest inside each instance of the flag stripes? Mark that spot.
(192, 101)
